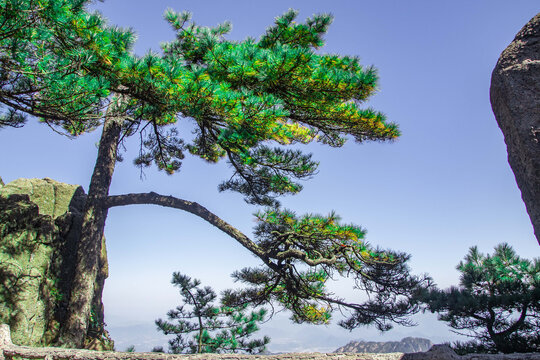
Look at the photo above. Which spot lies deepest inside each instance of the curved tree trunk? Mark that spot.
(75, 326)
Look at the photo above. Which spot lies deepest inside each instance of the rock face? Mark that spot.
(406, 345)
(515, 99)
(40, 222)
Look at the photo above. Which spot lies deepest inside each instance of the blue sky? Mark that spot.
(444, 186)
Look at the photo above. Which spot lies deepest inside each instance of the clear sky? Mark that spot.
(444, 186)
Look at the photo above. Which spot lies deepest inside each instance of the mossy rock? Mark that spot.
(40, 223)
(53, 198)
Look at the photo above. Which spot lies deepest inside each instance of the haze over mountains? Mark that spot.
(406, 345)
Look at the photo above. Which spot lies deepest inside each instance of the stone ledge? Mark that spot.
(437, 352)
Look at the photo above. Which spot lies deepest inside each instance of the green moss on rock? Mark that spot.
(40, 222)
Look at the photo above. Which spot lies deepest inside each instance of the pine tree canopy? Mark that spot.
(65, 64)
(56, 62)
(497, 302)
(241, 95)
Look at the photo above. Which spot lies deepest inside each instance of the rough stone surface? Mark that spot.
(515, 99)
(40, 221)
(406, 345)
(437, 352)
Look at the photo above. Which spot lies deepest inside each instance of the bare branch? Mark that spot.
(191, 207)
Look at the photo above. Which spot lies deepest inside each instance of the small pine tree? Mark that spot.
(215, 329)
(497, 303)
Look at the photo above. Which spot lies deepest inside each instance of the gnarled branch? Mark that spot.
(191, 207)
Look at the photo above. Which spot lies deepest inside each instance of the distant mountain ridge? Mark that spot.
(406, 345)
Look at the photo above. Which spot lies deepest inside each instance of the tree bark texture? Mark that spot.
(76, 324)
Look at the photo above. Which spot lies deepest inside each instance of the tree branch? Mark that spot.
(191, 207)
(298, 254)
(519, 322)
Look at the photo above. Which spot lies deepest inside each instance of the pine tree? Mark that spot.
(217, 329)
(497, 302)
(242, 97)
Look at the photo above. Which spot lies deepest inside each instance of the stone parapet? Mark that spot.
(437, 352)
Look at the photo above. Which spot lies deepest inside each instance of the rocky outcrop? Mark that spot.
(40, 223)
(515, 99)
(406, 345)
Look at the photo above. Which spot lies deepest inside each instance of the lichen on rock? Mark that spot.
(40, 222)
